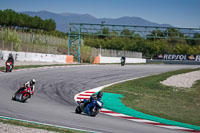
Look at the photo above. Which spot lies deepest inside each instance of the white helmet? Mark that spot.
(32, 81)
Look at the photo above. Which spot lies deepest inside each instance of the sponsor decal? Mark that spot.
(160, 56)
(191, 57)
(178, 57)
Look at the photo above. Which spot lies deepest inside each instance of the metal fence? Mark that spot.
(31, 42)
(36, 48)
(115, 53)
(33, 38)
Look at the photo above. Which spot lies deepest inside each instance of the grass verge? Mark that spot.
(149, 96)
(36, 66)
(37, 126)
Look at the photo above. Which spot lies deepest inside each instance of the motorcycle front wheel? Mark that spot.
(24, 98)
(94, 112)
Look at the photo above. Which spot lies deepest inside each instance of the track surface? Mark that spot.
(53, 101)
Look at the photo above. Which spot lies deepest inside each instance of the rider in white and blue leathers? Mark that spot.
(93, 97)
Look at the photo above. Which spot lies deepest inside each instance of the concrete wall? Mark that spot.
(102, 59)
(25, 56)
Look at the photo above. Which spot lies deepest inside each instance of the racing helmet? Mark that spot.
(94, 96)
(100, 94)
(32, 81)
(10, 55)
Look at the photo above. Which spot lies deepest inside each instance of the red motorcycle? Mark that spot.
(22, 95)
(9, 66)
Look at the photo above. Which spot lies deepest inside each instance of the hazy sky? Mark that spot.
(180, 13)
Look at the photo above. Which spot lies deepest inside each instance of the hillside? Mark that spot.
(63, 19)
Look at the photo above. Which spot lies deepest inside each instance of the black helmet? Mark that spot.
(32, 81)
(100, 94)
(10, 55)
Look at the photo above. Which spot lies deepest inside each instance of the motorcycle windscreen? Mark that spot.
(99, 103)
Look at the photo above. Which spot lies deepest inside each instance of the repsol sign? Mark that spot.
(179, 57)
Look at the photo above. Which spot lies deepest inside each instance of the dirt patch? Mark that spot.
(185, 80)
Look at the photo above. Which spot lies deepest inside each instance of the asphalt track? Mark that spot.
(53, 101)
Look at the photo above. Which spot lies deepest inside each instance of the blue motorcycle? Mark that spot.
(91, 109)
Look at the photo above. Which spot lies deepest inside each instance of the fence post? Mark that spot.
(11, 49)
(34, 49)
(3, 47)
(26, 47)
(19, 48)
(56, 49)
(48, 49)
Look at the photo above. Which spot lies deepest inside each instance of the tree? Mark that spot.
(104, 32)
(156, 34)
(172, 32)
(126, 32)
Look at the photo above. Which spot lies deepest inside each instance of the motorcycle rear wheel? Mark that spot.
(78, 110)
(14, 97)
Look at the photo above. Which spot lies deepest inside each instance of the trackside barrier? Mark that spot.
(97, 60)
(69, 58)
(26, 56)
(102, 59)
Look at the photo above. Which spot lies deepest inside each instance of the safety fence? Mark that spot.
(115, 53)
(31, 37)
(37, 48)
(32, 42)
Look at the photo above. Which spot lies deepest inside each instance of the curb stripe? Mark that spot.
(128, 117)
(131, 118)
(89, 92)
(82, 98)
(141, 120)
(158, 124)
(84, 95)
(109, 112)
(178, 128)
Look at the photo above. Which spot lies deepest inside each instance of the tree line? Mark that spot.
(10, 18)
(150, 46)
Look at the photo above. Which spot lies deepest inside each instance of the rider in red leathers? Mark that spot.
(28, 84)
(10, 62)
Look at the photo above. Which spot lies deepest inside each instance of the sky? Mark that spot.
(178, 13)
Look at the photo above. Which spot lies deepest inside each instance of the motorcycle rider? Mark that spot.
(123, 60)
(97, 96)
(28, 84)
(10, 59)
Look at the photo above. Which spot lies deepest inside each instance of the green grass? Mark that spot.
(149, 96)
(37, 126)
(36, 66)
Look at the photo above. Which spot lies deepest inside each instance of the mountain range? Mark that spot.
(63, 19)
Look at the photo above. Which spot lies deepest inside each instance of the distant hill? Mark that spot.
(63, 19)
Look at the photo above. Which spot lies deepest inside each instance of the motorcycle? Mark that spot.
(123, 61)
(22, 95)
(9, 66)
(91, 109)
